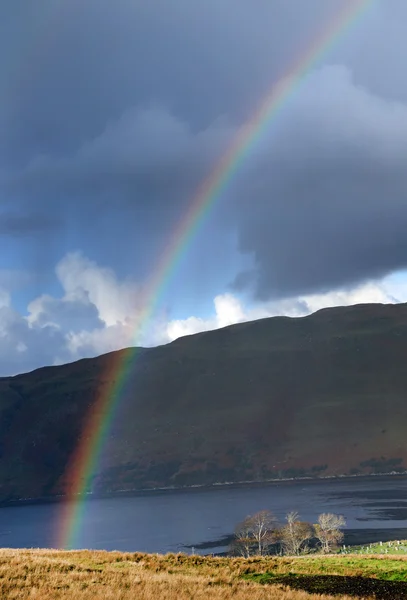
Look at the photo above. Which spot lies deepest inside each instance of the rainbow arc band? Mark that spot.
(84, 461)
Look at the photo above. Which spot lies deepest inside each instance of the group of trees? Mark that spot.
(261, 534)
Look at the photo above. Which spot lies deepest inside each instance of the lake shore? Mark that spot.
(353, 537)
(203, 518)
(199, 488)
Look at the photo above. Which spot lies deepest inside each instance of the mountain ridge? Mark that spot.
(280, 397)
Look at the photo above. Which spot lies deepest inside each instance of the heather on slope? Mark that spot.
(274, 398)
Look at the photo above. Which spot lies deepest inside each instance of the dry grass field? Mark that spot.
(94, 575)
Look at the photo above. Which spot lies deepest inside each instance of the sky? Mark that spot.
(112, 114)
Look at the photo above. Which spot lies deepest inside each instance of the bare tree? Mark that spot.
(328, 530)
(255, 533)
(243, 543)
(263, 524)
(295, 534)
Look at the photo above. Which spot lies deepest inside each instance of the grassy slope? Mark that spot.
(89, 575)
(272, 398)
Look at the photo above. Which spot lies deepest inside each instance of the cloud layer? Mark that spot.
(104, 143)
(324, 205)
(97, 313)
(319, 203)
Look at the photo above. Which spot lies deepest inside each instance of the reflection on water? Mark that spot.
(204, 519)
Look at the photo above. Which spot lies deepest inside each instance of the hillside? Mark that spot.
(278, 397)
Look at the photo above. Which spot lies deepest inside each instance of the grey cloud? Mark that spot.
(76, 65)
(112, 113)
(70, 68)
(376, 48)
(68, 315)
(319, 204)
(144, 149)
(146, 165)
(328, 197)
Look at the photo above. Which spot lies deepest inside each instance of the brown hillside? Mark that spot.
(279, 397)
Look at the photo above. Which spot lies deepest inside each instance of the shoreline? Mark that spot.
(352, 538)
(192, 488)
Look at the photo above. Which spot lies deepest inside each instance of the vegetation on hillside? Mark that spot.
(317, 396)
(86, 575)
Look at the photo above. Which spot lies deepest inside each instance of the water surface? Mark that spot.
(204, 518)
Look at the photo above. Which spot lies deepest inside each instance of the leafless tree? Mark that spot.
(263, 524)
(295, 535)
(328, 530)
(243, 543)
(255, 533)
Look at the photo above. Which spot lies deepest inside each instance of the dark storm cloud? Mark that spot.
(71, 67)
(122, 108)
(326, 203)
(140, 173)
(144, 150)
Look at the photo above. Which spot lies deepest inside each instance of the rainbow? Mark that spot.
(85, 459)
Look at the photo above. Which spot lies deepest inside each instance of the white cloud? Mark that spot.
(228, 309)
(98, 313)
(99, 340)
(81, 278)
(102, 311)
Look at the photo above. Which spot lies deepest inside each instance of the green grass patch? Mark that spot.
(398, 547)
(380, 568)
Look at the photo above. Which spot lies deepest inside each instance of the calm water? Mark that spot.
(176, 521)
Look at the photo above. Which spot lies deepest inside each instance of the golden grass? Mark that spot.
(94, 575)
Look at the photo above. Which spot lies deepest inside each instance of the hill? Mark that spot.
(280, 397)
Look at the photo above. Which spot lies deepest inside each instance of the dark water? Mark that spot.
(375, 509)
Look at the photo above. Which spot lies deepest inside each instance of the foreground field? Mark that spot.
(86, 575)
